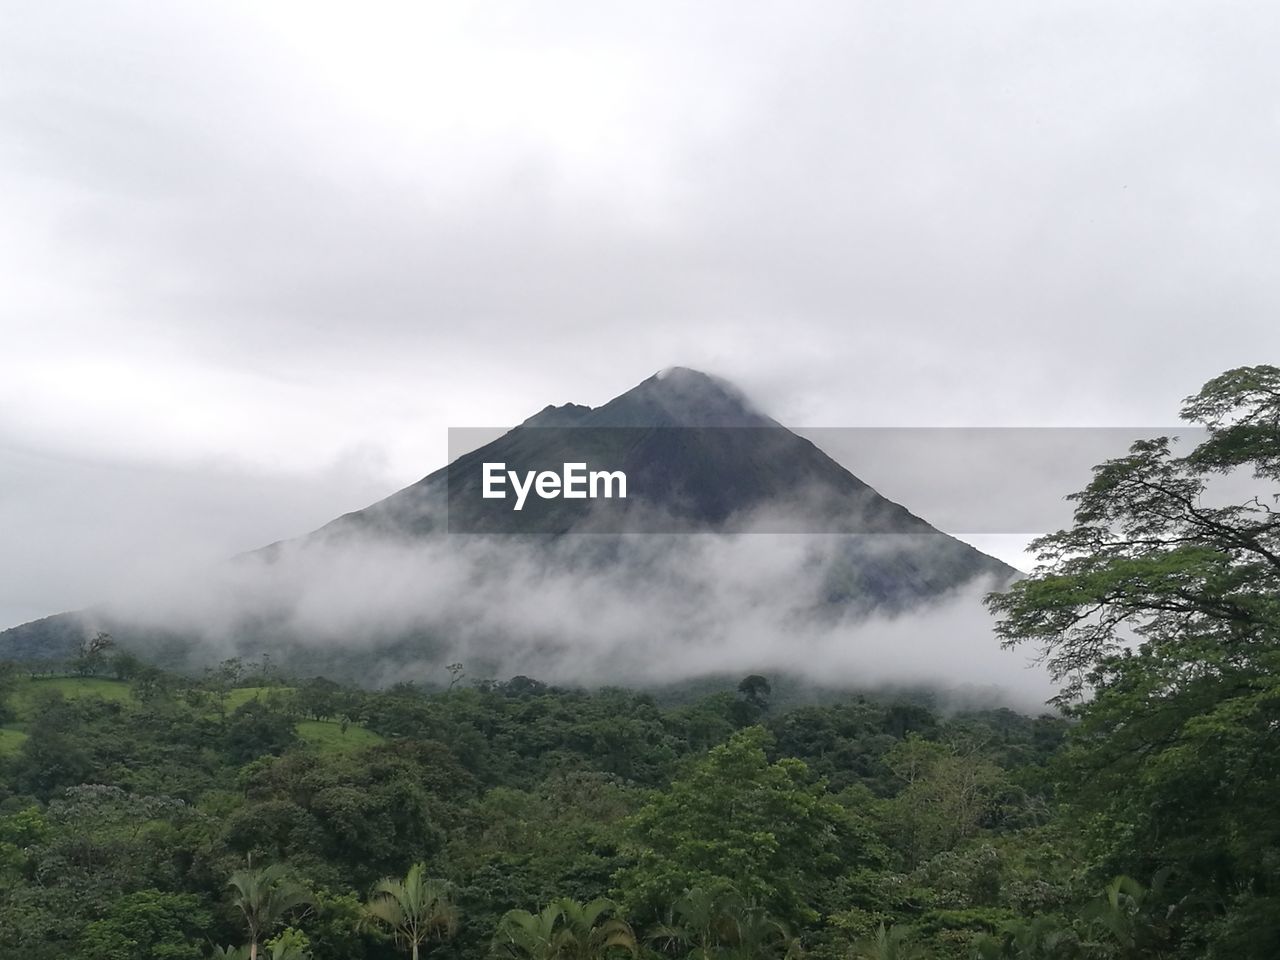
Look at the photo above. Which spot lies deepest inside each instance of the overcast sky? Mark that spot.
(256, 258)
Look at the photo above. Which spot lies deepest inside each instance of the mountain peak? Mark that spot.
(687, 378)
(681, 397)
(678, 373)
(672, 397)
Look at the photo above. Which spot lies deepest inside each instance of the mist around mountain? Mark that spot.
(740, 546)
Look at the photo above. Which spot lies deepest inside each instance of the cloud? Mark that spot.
(583, 609)
(264, 236)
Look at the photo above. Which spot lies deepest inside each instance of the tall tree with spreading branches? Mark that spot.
(1159, 613)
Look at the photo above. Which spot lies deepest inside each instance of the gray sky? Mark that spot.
(258, 257)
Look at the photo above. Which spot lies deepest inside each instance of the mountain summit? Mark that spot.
(680, 397)
(699, 457)
(674, 397)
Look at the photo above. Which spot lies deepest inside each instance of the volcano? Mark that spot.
(713, 487)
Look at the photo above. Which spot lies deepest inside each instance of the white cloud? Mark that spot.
(266, 236)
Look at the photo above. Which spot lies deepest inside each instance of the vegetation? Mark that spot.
(244, 814)
(1166, 608)
(264, 898)
(414, 910)
(564, 930)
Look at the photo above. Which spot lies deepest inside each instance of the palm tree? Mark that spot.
(564, 930)
(590, 933)
(530, 936)
(1043, 938)
(1127, 912)
(757, 935)
(278, 950)
(712, 922)
(414, 910)
(264, 897)
(699, 922)
(282, 950)
(889, 944)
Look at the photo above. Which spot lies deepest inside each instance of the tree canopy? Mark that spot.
(1159, 609)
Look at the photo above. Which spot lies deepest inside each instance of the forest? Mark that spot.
(242, 813)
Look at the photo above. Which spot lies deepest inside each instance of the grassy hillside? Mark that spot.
(11, 741)
(329, 737)
(326, 736)
(28, 692)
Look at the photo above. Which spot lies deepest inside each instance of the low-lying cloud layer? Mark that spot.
(637, 609)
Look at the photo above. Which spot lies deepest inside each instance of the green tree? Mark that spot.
(889, 943)
(699, 921)
(946, 791)
(20, 832)
(564, 930)
(1132, 917)
(8, 683)
(93, 654)
(753, 702)
(414, 910)
(289, 944)
(255, 729)
(319, 698)
(713, 923)
(126, 666)
(264, 898)
(530, 936)
(768, 830)
(150, 923)
(1162, 602)
(1041, 938)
